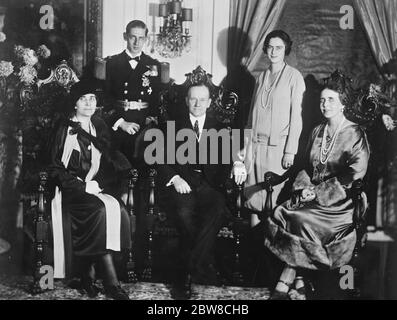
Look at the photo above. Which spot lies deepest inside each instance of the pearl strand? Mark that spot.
(324, 151)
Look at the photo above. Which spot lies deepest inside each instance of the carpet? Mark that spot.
(17, 288)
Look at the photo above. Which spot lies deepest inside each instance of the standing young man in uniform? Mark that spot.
(132, 81)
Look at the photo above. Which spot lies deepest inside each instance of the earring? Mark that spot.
(75, 108)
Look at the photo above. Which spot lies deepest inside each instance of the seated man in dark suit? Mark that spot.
(132, 82)
(194, 188)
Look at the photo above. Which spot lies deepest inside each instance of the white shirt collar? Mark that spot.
(200, 120)
(130, 54)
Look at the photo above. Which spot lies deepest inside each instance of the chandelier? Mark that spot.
(173, 38)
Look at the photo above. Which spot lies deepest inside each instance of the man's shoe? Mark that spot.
(116, 293)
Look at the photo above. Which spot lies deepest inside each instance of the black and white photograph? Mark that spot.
(223, 151)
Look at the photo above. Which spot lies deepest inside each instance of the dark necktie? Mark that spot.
(196, 129)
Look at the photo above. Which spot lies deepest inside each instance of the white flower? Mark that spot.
(6, 68)
(19, 51)
(28, 74)
(30, 57)
(43, 51)
(388, 122)
(2, 37)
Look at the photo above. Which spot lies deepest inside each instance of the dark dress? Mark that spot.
(318, 234)
(84, 214)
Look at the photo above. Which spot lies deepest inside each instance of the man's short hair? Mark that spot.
(136, 24)
(199, 84)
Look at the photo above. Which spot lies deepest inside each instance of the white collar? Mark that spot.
(200, 120)
(130, 54)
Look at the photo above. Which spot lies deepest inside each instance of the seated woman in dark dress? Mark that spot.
(88, 222)
(313, 229)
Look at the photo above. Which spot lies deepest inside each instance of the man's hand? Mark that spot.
(181, 186)
(130, 127)
(308, 195)
(239, 172)
(288, 160)
(92, 187)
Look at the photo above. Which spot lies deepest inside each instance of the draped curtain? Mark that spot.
(379, 19)
(250, 20)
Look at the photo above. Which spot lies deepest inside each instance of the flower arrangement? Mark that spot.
(29, 105)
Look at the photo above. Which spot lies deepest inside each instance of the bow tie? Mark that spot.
(136, 58)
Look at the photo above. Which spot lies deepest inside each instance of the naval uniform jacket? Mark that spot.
(123, 83)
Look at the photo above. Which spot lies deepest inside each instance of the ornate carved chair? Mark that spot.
(40, 111)
(159, 229)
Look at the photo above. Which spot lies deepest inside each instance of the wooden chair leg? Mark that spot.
(40, 236)
(147, 274)
(237, 276)
(131, 276)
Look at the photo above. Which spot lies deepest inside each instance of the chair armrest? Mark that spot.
(359, 202)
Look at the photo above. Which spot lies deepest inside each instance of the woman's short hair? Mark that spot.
(283, 36)
(340, 83)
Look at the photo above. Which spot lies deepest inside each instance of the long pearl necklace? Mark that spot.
(324, 151)
(279, 72)
(267, 90)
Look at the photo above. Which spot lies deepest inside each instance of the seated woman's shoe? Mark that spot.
(116, 293)
(279, 295)
(89, 287)
(300, 286)
(281, 291)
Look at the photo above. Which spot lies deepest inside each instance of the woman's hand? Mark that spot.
(308, 195)
(239, 172)
(288, 160)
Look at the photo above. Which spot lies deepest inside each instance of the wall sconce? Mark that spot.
(174, 36)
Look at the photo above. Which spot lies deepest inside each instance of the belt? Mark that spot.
(132, 105)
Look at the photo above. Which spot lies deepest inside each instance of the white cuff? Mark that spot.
(171, 182)
(117, 124)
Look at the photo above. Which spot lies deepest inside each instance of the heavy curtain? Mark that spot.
(250, 21)
(379, 19)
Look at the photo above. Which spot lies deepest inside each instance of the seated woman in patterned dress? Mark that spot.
(88, 222)
(313, 229)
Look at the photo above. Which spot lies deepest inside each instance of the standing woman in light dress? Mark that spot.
(275, 121)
